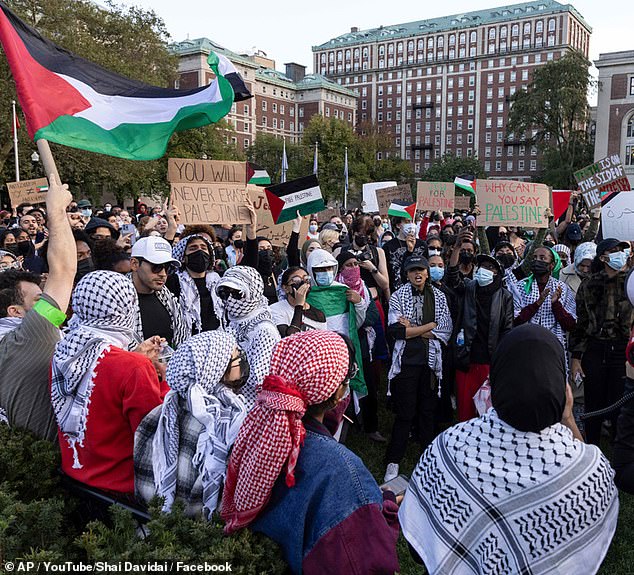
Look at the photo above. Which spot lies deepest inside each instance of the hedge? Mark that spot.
(41, 521)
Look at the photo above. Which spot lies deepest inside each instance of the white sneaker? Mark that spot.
(391, 472)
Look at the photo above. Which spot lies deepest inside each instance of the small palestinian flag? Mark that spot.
(76, 103)
(302, 195)
(465, 184)
(257, 175)
(402, 210)
(42, 188)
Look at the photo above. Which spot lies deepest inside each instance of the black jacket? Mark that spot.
(500, 318)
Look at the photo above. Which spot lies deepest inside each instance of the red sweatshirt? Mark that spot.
(126, 388)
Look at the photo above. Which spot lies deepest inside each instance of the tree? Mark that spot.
(553, 115)
(267, 152)
(446, 168)
(130, 41)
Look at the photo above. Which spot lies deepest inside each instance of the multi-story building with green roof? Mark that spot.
(444, 84)
(283, 103)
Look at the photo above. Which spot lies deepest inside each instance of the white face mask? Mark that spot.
(408, 229)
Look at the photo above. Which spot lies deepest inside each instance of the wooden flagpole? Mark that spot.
(47, 160)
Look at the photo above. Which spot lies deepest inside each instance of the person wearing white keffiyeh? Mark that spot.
(243, 311)
(194, 283)
(181, 447)
(99, 390)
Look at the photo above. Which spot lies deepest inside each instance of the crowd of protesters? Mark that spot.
(206, 365)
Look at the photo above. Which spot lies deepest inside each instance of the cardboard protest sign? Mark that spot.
(302, 195)
(462, 203)
(31, 191)
(277, 234)
(206, 171)
(605, 176)
(435, 196)
(511, 203)
(617, 217)
(370, 204)
(385, 196)
(209, 191)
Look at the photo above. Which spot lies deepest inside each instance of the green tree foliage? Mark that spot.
(555, 107)
(333, 136)
(448, 167)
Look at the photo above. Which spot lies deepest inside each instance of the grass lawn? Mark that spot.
(620, 557)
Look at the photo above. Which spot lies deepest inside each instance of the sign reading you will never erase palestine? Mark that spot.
(511, 203)
(209, 191)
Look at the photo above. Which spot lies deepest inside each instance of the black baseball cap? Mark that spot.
(486, 258)
(415, 262)
(609, 244)
(573, 232)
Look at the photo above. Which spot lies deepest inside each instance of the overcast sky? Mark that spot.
(287, 29)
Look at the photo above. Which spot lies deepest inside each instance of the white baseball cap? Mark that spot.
(155, 250)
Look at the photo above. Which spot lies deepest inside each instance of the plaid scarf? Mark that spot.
(306, 368)
(104, 305)
(195, 374)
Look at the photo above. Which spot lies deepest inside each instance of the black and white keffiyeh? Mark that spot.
(545, 316)
(189, 299)
(402, 305)
(250, 321)
(487, 498)
(195, 374)
(104, 305)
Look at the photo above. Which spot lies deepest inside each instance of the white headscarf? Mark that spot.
(195, 373)
(105, 305)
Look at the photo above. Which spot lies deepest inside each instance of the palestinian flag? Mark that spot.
(402, 210)
(74, 102)
(342, 318)
(42, 188)
(465, 184)
(302, 195)
(257, 175)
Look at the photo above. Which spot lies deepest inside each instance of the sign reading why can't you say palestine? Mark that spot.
(209, 191)
(511, 203)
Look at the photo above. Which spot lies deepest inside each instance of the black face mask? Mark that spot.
(503, 238)
(245, 371)
(446, 235)
(549, 244)
(507, 260)
(84, 267)
(361, 241)
(11, 248)
(265, 262)
(198, 261)
(24, 248)
(238, 244)
(466, 258)
(540, 268)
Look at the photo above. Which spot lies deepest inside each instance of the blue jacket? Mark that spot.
(335, 519)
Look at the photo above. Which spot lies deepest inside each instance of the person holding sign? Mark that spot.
(405, 245)
(602, 333)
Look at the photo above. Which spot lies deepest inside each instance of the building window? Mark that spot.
(509, 166)
(520, 165)
(551, 25)
(533, 167)
(498, 166)
(274, 107)
(515, 30)
(487, 166)
(473, 36)
(264, 105)
(275, 122)
(539, 27)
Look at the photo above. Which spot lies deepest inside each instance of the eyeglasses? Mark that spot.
(225, 292)
(158, 268)
(13, 265)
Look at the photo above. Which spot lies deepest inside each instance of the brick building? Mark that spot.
(282, 105)
(444, 85)
(615, 109)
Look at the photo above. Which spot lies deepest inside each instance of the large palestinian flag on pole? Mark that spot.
(74, 102)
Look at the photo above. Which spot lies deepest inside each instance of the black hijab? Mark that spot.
(528, 378)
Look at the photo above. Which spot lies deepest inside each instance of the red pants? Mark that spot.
(467, 383)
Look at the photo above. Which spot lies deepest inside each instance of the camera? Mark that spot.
(363, 256)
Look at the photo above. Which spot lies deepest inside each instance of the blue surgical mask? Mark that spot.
(627, 252)
(483, 277)
(324, 278)
(436, 273)
(617, 260)
(385, 225)
(408, 229)
(312, 229)
(86, 213)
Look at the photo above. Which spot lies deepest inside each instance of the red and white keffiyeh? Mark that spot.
(306, 369)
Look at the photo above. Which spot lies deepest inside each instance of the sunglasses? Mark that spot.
(298, 283)
(225, 292)
(158, 268)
